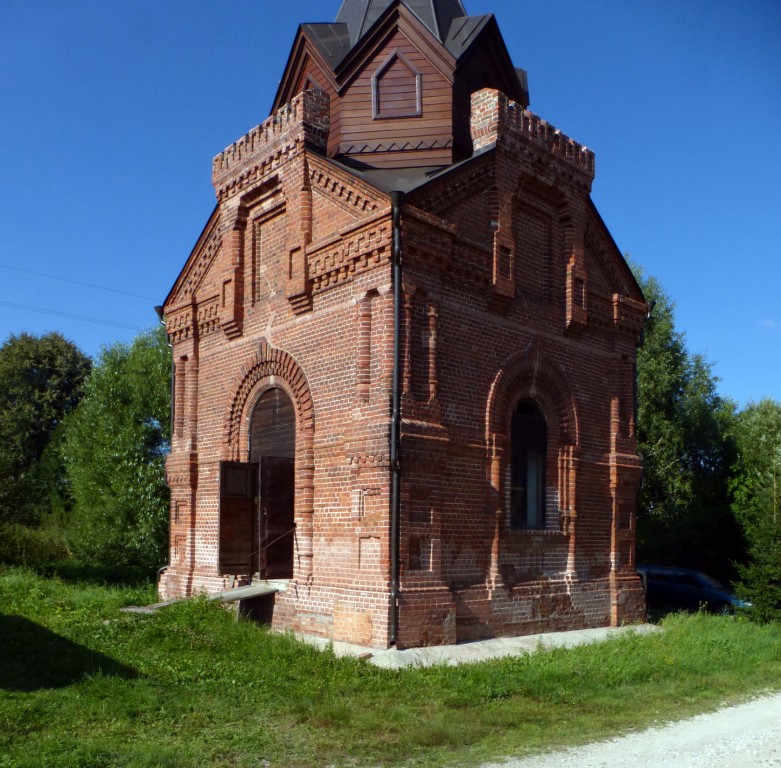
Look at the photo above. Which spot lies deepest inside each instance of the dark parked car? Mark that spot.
(670, 587)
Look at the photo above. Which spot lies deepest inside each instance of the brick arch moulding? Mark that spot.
(529, 374)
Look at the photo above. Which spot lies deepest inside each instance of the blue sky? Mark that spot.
(111, 111)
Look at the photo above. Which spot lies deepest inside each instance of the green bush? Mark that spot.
(756, 485)
(41, 380)
(35, 547)
(114, 447)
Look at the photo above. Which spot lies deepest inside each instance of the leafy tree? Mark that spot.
(684, 434)
(114, 446)
(41, 380)
(757, 490)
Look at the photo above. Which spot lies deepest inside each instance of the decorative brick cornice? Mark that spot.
(181, 470)
(179, 324)
(208, 316)
(620, 310)
(345, 192)
(629, 314)
(442, 194)
(202, 257)
(336, 262)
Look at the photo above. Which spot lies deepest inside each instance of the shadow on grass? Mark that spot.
(101, 575)
(34, 657)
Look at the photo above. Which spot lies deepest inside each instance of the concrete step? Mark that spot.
(234, 595)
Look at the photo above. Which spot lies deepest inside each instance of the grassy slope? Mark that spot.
(82, 684)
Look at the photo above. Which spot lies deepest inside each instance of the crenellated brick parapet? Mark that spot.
(305, 120)
(496, 119)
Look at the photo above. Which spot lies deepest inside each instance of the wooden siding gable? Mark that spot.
(305, 60)
(396, 97)
(398, 19)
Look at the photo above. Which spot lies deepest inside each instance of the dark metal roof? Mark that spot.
(437, 15)
(332, 40)
(464, 31)
(446, 19)
(398, 179)
(523, 79)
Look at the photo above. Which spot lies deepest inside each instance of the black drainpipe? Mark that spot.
(395, 434)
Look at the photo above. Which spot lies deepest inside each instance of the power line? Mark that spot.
(72, 317)
(77, 282)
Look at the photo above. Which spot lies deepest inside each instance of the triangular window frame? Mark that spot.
(377, 77)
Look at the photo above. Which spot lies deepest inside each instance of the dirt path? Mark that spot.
(743, 736)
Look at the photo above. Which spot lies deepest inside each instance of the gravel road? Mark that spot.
(743, 736)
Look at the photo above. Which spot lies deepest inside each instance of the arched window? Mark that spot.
(529, 441)
(273, 427)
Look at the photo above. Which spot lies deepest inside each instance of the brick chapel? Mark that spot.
(404, 350)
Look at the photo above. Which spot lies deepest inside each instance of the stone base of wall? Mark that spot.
(631, 607)
(426, 617)
(437, 615)
(360, 617)
(545, 606)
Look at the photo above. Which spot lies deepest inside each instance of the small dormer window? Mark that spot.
(396, 88)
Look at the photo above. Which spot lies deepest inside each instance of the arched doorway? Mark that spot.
(272, 450)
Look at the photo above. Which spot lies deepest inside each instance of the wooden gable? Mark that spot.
(391, 95)
(400, 88)
(396, 97)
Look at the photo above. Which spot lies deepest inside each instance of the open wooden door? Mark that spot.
(273, 449)
(238, 505)
(277, 517)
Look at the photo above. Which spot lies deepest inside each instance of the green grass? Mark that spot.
(82, 684)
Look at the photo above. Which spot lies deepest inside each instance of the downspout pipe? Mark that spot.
(397, 199)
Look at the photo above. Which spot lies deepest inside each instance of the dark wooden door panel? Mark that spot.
(277, 516)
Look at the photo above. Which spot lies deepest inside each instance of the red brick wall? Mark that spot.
(290, 286)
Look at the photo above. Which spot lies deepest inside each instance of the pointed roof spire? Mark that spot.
(437, 15)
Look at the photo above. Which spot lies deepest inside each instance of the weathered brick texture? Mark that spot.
(513, 290)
